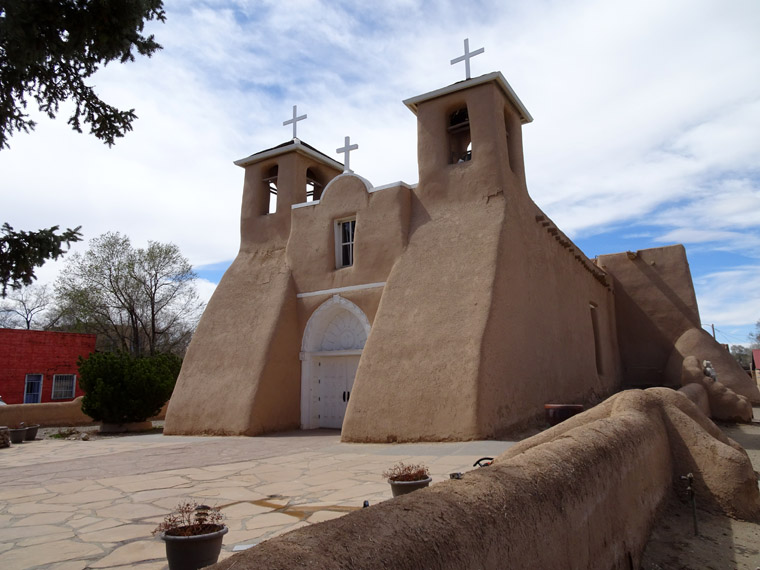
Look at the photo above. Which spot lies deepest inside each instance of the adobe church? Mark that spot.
(453, 309)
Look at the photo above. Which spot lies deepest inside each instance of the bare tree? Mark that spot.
(23, 306)
(142, 301)
(742, 354)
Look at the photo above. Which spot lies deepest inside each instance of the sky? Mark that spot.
(646, 126)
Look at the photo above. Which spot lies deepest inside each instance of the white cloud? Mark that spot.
(646, 114)
(730, 297)
(205, 289)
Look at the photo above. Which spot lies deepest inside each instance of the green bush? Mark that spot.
(121, 388)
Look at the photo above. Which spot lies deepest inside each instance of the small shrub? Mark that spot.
(64, 433)
(121, 388)
(191, 519)
(403, 472)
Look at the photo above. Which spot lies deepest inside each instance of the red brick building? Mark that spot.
(41, 366)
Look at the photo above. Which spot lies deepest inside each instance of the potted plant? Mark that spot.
(18, 433)
(31, 432)
(405, 478)
(193, 536)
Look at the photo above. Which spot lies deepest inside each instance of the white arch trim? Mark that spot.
(367, 184)
(322, 317)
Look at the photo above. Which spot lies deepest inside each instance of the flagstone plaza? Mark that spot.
(70, 505)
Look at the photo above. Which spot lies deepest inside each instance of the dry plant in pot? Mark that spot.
(405, 478)
(193, 535)
(18, 433)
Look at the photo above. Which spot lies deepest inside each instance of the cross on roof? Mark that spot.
(346, 150)
(467, 56)
(294, 120)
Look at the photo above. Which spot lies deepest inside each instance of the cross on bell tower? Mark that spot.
(294, 120)
(346, 150)
(468, 55)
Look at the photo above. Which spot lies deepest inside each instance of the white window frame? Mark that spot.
(26, 384)
(56, 377)
(339, 243)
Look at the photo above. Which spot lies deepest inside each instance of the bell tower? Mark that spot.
(474, 126)
(276, 179)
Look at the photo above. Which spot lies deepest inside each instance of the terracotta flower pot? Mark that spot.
(31, 432)
(192, 552)
(557, 413)
(404, 487)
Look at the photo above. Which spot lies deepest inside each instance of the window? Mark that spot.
(460, 144)
(512, 125)
(64, 386)
(344, 242)
(597, 345)
(270, 191)
(33, 389)
(509, 142)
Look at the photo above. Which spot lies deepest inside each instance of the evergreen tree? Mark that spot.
(49, 48)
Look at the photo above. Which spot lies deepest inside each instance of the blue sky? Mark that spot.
(646, 124)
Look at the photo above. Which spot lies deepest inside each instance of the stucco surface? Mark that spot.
(655, 303)
(45, 414)
(482, 293)
(722, 402)
(382, 221)
(658, 321)
(697, 394)
(241, 371)
(426, 339)
(49, 414)
(698, 343)
(590, 488)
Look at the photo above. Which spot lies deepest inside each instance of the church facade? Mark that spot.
(452, 309)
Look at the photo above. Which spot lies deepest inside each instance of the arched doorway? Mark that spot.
(332, 345)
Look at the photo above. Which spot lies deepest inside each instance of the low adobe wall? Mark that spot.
(52, 414)
(583, 494)
(45, 414)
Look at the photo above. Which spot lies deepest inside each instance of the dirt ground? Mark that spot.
(723, 543)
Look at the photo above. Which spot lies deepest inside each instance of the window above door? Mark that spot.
(344, 242)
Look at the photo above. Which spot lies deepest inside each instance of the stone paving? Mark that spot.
(70, 505)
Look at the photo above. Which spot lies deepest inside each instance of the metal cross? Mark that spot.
(346, 150)
(294, 120)
(467, 56)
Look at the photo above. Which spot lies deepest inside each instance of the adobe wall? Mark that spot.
(655, 303)
(48, 414)
(658, 321)
(697, 343)
(545, 283)
(241, 373)
(485, 316)
(426, 338)
(382, 219)
(52, 414)
(589, 488)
